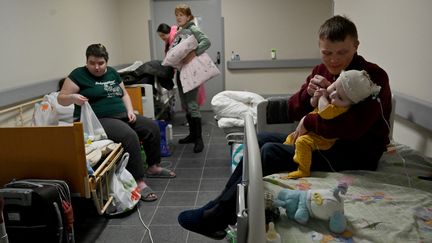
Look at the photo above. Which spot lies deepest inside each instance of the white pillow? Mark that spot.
(177, 53)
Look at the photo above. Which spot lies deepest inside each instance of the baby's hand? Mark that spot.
(321, 92)
(317, 94)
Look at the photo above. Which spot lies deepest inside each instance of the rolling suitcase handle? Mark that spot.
(29, 184)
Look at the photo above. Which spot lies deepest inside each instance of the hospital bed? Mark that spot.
(392, 204)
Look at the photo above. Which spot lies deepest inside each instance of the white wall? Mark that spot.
(254, 27)
(45, 39)
(134, 16)
(397, 35)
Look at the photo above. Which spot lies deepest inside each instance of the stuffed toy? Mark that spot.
(322, 204)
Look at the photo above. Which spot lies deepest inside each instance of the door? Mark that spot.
(208, 14)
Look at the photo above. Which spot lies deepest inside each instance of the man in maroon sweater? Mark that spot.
(362, 131)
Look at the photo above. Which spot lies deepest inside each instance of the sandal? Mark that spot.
(164, 173)
(148, 195)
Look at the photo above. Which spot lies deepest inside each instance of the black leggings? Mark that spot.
(130, 136)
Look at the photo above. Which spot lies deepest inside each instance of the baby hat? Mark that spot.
(358, 85)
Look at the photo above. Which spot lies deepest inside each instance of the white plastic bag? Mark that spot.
(45, 114)
(123, 188)
(64, 113)
(93, 129)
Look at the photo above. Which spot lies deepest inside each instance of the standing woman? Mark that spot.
(186, 24)
(104, 90)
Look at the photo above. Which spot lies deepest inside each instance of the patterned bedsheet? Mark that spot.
(389, 205)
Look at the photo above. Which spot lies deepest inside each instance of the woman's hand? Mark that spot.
(131, 117)
(78, 99)
(316, 83)
(188, 57)
(300, 130)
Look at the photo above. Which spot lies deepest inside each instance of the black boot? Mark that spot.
(191, 137)
(199, 145)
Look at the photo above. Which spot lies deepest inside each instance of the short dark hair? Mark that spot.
(164, 28)
(60, 84)
(97, 50)
(337, 28)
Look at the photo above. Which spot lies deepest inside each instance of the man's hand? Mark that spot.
(300, 130)
(316, 83)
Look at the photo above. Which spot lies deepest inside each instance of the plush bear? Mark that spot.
(321, 204)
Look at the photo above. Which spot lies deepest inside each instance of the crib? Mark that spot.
(52, 152)
(392, 204)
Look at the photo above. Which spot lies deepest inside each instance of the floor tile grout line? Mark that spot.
(179, 159)
(166, 186)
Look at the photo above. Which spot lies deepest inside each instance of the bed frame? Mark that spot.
(52, 152)
(250, 193)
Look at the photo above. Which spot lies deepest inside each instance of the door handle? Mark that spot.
(218, 58)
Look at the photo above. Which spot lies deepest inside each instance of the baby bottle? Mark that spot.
(272, 236)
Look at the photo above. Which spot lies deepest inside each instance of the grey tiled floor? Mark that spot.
(200, 178)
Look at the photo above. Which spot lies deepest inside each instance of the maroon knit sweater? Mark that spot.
(362, 127)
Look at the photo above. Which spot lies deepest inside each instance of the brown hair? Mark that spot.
(184, 9)
(337, 28)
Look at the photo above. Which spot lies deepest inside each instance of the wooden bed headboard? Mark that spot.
(55, 152)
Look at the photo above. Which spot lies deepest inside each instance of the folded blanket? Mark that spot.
(230, 107)
(97, 150)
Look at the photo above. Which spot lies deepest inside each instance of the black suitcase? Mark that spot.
(38, 211)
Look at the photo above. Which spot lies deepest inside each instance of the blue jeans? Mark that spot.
(274, 159)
